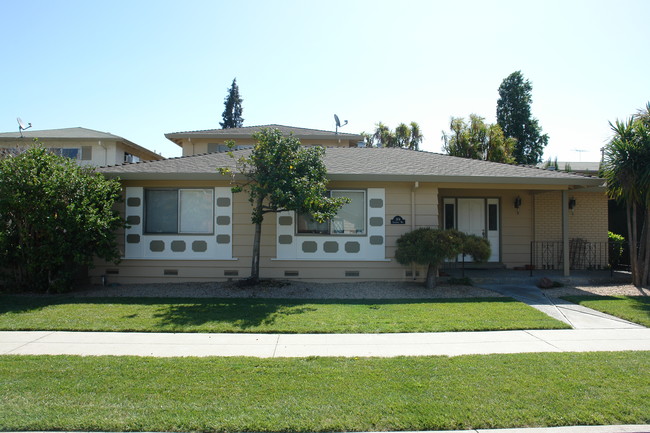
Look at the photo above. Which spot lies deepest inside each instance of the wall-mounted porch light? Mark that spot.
(517, 204)
(572, 204)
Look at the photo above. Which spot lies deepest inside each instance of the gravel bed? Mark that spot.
(603, 290)
(288, 290)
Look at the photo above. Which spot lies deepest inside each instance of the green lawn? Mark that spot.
(44, 393)
(268, 315)
(633, 308)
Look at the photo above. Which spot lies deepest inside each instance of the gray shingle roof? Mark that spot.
(369, 164)
(62, 133)
(75, 134)
(248, 131)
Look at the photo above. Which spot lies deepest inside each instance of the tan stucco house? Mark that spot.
(185, 224)
(86, 146)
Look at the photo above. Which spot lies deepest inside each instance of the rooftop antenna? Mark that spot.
(338, 123)
(22, 127)
(580, 152)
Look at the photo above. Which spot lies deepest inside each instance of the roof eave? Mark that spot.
(583, 182)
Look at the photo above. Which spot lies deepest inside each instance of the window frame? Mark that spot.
(178, 212)
(329, 221)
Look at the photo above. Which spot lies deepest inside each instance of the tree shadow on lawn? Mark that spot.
(240, 313)
(244, 314)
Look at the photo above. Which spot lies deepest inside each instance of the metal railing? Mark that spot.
(583, 255)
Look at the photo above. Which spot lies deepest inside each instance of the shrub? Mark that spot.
(431, 247)
(55, 216)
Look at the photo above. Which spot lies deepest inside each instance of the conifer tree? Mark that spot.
(233, 110)
(515, 119)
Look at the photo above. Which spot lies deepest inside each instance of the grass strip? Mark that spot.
(268, 315)
(632, 308)
(45, 393)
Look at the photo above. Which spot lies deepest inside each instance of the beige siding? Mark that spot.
(197, 146)
(539, 218)
(103, 152)
(398, 203)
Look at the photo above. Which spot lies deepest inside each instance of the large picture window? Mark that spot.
(349, 220)
(179, 211)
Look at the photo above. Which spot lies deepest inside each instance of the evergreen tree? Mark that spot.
(233, 111)
(515, 118)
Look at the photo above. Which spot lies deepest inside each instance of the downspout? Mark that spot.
(416, 185)
(105, 152)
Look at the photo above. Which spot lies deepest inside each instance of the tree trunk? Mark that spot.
(646, 249)
(432, 273)
(255, 264)
(631, 231)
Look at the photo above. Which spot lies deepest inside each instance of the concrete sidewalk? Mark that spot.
(301, 345)
(577, 316)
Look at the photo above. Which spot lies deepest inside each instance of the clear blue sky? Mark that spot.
(139, 69)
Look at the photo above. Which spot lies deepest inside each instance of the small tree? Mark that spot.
(431, 247)
(281, 175)
(55, 216)
(233, 110)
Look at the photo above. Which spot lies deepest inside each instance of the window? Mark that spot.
(179, 211)
(350, 219)
(130, 158)
(72, 153)
(450, 219)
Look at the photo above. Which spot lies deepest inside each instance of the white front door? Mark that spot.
(471, 216)
(476, 216)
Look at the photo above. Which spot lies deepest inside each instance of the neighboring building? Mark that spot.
(185, 224)
(588, 167)
(214, 140)
(87, 146)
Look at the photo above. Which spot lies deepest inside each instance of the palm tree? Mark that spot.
(383, 135)
(626, 168)
(416, 136)
(402, 135)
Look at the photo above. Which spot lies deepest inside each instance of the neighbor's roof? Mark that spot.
(76, 134)
(248, 131)
(363, 164)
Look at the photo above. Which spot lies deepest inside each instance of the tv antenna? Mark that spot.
(22, 127)
(338, 123)
(580, 152)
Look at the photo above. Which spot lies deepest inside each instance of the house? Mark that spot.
(214, 140)
(185, 224)
(86, 146)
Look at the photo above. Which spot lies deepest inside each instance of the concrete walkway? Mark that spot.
(577, 316)
(300, 345)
